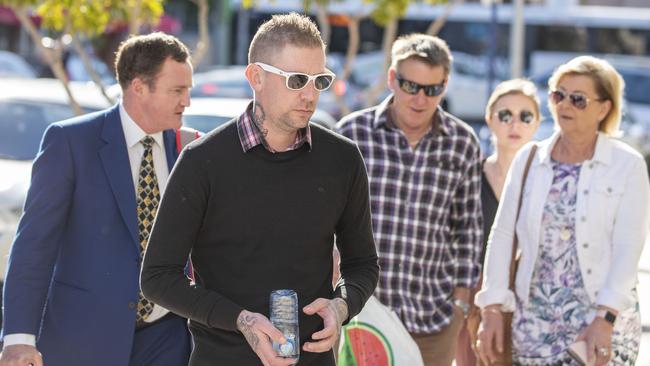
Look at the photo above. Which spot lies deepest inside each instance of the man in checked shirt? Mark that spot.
(424, 169)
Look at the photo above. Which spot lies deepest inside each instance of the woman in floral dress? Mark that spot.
(583, 222)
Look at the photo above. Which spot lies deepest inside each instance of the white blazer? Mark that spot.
(611, 224)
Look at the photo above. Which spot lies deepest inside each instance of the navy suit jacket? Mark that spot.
(73, 270)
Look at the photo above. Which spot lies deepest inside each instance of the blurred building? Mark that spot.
(623, 3)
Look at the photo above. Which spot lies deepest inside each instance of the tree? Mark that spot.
(203, 45)
(79, 19)
(22, 9)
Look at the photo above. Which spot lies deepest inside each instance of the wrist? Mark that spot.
(241, 320)
(341, 309)
(607, 316)
(490, 310)
(463, 306)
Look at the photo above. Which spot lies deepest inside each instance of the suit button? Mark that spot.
(132, 305)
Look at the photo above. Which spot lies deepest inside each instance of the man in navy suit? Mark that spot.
(72, 295)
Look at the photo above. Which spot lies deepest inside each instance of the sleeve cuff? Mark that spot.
(490, 297)
(614, 299)
(19, 338)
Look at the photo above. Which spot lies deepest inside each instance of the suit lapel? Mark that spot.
(115, 159)
(169, 138)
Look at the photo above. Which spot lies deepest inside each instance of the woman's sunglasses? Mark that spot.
(298, 80)
(506, 116)
(577, 99)
(413, 88)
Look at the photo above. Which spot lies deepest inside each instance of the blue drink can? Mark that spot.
(284, 316)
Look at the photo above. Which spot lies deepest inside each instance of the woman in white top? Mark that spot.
(583, 222)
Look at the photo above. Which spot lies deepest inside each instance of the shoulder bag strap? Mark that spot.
(513, 258)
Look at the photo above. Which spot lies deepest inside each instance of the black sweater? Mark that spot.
(256, 222)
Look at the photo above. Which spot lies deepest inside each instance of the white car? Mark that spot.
(205, 114)
(14, 66)
(27, 107)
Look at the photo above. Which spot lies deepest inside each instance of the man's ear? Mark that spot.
(390, 80)
(255, 77)
(138, 86)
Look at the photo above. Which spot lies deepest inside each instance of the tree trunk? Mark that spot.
(436, 25)
(354, 40)
(53, 60)
(89, 67)
(350, 57)
(390, 33)
(203, 45)
(134, 18)
(323, 22)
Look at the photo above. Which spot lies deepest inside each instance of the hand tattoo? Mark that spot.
(339, 307)
(245, 324)
(258, 118)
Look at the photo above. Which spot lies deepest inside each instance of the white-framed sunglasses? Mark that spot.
(298, 80)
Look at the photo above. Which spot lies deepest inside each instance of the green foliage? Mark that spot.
(386, 10)
(149, 13)
(306, 4)
(18, 3)
(89, 17)
(75, 16)
(247, 4)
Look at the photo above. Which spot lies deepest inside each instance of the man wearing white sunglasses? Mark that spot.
(258, 204)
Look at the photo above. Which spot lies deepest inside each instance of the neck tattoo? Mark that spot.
(258, 118)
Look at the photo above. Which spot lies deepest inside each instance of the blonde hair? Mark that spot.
(281, 30)
(510, 87)
(609, 86)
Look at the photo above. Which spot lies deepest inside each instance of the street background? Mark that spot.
(491, 40)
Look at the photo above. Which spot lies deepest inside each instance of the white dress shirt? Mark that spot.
(611, 224)
(133, 134)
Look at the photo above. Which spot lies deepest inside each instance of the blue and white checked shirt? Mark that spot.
(426, 212)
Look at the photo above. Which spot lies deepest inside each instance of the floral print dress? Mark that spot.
(559, 306)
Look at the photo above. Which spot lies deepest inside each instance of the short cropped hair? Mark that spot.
(609, 86)
(142, 57)
(513, 87)
(431, 50)
(282, 30)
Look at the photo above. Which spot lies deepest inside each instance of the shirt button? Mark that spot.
(591, 165)
(585, 245)
(609, 189)
(583, 218)
(132, 305)
(586, 191)
(588, 271)
(402, 143)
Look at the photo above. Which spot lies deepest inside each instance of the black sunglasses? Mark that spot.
(413, 88)
(577, 99)
(506, 116)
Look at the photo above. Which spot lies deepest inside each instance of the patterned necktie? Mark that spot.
(147, 198)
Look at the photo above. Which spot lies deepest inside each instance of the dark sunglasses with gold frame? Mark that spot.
(577, 99)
